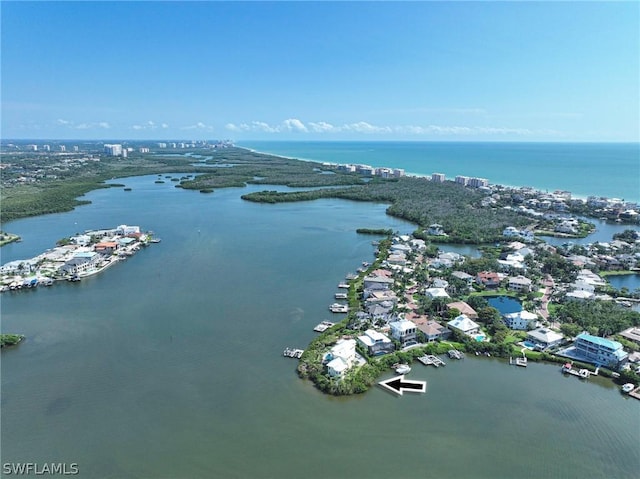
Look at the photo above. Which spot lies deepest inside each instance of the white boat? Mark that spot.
(627, 388)
(403, 369)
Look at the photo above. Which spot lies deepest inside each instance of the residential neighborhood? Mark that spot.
(413, 299)
(75, 257)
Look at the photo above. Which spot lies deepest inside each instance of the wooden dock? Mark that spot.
(431, 360)
(635, 393)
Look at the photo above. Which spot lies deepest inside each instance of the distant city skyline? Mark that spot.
(437, 71)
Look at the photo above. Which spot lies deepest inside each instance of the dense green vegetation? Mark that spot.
(374, 231)
(415, 199)
(61, 193)
(600, 318)
(6, 238)
(10, 339)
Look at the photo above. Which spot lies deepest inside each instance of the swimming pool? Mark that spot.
(480, 337)
(529, 344)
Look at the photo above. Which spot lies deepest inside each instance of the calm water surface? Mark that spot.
(169, 364)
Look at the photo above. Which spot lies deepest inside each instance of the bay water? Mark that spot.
(169, 364)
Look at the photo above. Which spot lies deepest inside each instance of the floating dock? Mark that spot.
(323, 326)
(339, 308)
(518, 361)
(455, 354)
(293, 353)
(340, 295)
(635, 393)
(431, 360)
(343, 285)
(582, 373)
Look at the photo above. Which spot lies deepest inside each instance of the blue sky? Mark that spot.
(507, 71)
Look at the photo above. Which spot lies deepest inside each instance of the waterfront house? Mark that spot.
(463, 308)
(544, 338)
(464, 325)
(520, 283)
(403, 330)
(521, 320)
(124, 230)
(600, 351)
(340, 357)
(436, 230)
(377, 282)
(106, 247)
(376, 342)
(80, 262)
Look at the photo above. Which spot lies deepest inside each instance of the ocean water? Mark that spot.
(599, 169)
(169, 365)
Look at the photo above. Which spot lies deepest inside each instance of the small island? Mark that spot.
(6, 238)
(10, 339)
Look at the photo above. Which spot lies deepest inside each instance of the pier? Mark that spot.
(339, 308)
(293, 353)
(635, 393)
(582, 373)
(431, 360)
(455, 354)
(518, 361)
(323, 326)
(340, 295)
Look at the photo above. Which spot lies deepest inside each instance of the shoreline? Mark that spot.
(536, 189)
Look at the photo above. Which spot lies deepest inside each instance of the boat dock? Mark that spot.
(343, 285)
(455, 354)
(293, 353)
(635, 393)
(582, 373)
(323, 326)
(518, 361)
(339, 308)
(340, 295)
(431, 360)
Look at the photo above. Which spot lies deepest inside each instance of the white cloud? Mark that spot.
(363, 127)
(60, 121)
(295, 124)
(322, 127)
(164, 125)
(198, 126)
(104, 124)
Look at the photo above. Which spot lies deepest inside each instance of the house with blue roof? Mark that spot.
(600, 351)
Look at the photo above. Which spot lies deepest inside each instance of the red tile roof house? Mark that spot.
(489, 279)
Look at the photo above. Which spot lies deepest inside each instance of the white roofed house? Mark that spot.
(464, 325)
(521, 320)
(125, 230)
(544, 338)
(340, 357)
(435, 293)
(403, 330)
(376, 342)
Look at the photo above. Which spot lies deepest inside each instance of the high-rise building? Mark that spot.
(438, 177)
(113, 150)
